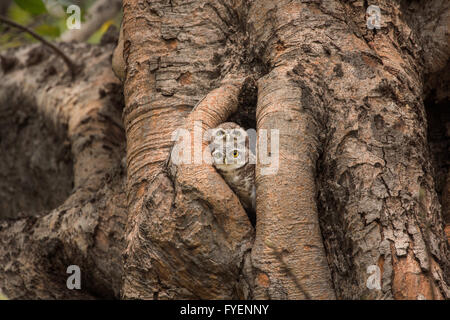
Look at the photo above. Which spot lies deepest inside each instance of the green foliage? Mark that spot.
(34, 7)
(48, 30)
(19, 15)
(45, 17)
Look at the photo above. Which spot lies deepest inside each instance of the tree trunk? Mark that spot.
(362, 181)
(40, 107)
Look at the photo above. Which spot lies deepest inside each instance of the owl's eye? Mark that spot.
(219, 133)
(235, 153)
(218, 155)
(237, 133)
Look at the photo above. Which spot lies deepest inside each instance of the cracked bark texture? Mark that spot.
(362, 176)
(346, 99)
(378, 199)
(86, 227)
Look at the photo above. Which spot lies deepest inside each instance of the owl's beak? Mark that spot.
(225, 160)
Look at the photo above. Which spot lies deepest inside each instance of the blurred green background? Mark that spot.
(45, 17)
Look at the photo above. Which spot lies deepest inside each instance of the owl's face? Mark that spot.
(229, 147)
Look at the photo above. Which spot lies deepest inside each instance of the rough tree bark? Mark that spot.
(86, 228)
(363, 149)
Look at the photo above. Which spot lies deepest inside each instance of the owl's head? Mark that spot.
(229, 147)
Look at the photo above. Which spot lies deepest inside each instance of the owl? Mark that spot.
(231, 156)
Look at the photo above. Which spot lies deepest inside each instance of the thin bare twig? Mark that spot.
(72, 66)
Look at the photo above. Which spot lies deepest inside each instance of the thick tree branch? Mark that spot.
(87, 229)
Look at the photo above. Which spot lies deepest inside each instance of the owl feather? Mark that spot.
(231, 153)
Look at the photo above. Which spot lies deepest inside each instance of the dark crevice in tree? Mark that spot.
(438, 117)
(246, 113)
(245, 116)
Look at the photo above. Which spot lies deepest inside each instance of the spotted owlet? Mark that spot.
(231, 157)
